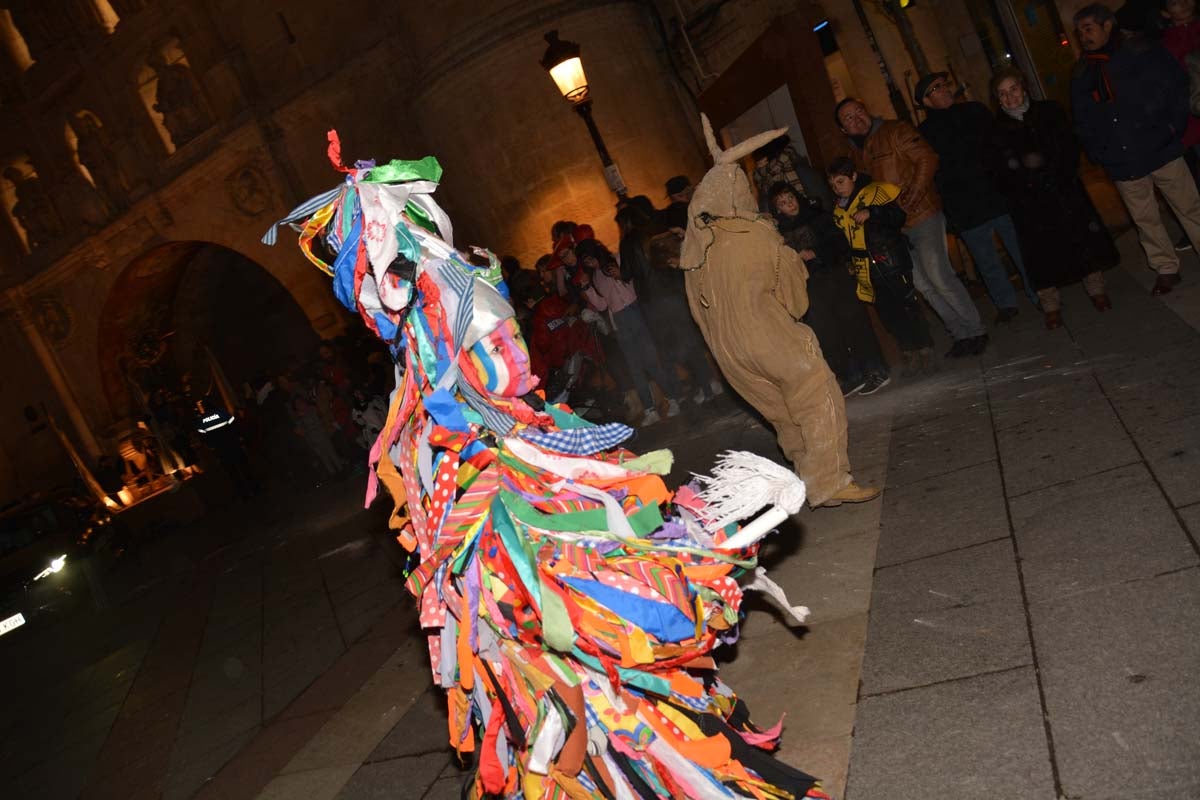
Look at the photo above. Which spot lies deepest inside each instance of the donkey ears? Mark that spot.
(739, 150)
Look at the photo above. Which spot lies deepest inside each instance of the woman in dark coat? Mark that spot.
(834, 312)
(1035, 162)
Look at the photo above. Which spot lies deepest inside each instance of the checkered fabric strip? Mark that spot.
(580, 441)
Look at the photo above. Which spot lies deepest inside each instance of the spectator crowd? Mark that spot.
(872, 230)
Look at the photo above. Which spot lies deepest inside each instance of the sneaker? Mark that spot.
(672, 408)
(651, 417)
(852, 493)
(699, 397)
(850, 388)
(716, 388)
(874, 383)
(1184, 243)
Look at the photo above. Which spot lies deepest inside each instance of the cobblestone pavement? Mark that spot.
(1015, 617)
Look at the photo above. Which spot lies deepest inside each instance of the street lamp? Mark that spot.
(566, 69)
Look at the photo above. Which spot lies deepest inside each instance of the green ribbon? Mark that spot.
(557, 631)
(643, 521)
(399, 171)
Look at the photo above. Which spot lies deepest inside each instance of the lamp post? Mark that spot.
(566, 69)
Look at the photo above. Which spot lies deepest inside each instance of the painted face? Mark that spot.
(1010, 93)
(501, 360)
(842, 185)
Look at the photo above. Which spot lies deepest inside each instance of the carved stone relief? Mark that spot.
(52, 318)
(249, 190)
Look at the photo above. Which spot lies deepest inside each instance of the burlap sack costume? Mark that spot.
(746, 290)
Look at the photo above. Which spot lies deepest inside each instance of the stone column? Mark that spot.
(19, 308)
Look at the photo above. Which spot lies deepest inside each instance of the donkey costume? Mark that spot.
(746, 289)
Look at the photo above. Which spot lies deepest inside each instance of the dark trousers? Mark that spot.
(896, 304)
(678, 339)
(840, 322)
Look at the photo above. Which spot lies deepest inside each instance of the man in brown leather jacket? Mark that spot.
(894, 152)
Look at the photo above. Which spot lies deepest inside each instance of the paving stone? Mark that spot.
(974, 739)
(1096, 531)
(189, 773)
(1191, 518)
(1173, 451)
(264, 756)
(1063, 445)
(232, 723)
(940, 446)
(448, 788)
(387, 780)
(826, 759)
(938, 395)
(1040, 389)
(827, 654)
(322, 783)
(421, 730)
(945, 617)
(942, 513)
(1119, 670)
(833, 579)
(359, 614)
(1155, 390)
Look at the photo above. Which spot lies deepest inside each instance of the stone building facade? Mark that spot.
(148, 142)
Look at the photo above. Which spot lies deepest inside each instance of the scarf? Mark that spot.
(1102, 90)
(1020, 111)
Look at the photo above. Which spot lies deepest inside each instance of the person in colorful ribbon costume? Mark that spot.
(572, 602)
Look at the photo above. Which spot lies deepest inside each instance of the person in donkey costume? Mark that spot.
(746, 290)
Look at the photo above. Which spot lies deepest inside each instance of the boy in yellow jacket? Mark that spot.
(880, 258)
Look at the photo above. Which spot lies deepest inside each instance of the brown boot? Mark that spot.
(1101, 302)
(1053, 320)
(852, 493)
(1163, 284)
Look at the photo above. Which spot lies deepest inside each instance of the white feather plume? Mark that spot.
(742, 483)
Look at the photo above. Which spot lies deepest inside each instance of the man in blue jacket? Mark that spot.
(1130, 102)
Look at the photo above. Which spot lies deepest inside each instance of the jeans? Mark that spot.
(934, 278)
(987, 261)
(642, 357)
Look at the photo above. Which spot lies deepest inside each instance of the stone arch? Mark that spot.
(178, 298)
